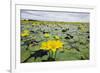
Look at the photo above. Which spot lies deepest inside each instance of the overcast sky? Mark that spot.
(55, 16)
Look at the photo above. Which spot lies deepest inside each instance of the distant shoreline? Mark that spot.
(52, 22)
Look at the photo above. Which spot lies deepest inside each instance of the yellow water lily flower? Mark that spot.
(25, 33)
(52, 45)
(45, 46)
(59, 44)
(47, 35)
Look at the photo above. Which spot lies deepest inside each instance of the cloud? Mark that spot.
(55, 16)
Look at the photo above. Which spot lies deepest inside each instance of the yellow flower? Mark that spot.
(45, 46)
(47, 35)
(59, 44)
(52, 45)
(25, 33)
(56, 37)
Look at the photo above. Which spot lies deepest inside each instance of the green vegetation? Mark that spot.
(71, 41)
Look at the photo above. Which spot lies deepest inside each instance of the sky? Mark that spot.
(55, 16)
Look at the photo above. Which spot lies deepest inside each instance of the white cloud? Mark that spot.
(55, 16)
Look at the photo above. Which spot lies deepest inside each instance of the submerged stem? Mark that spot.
(55, 53)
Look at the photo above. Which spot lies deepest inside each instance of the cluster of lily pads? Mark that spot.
(43, 41)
